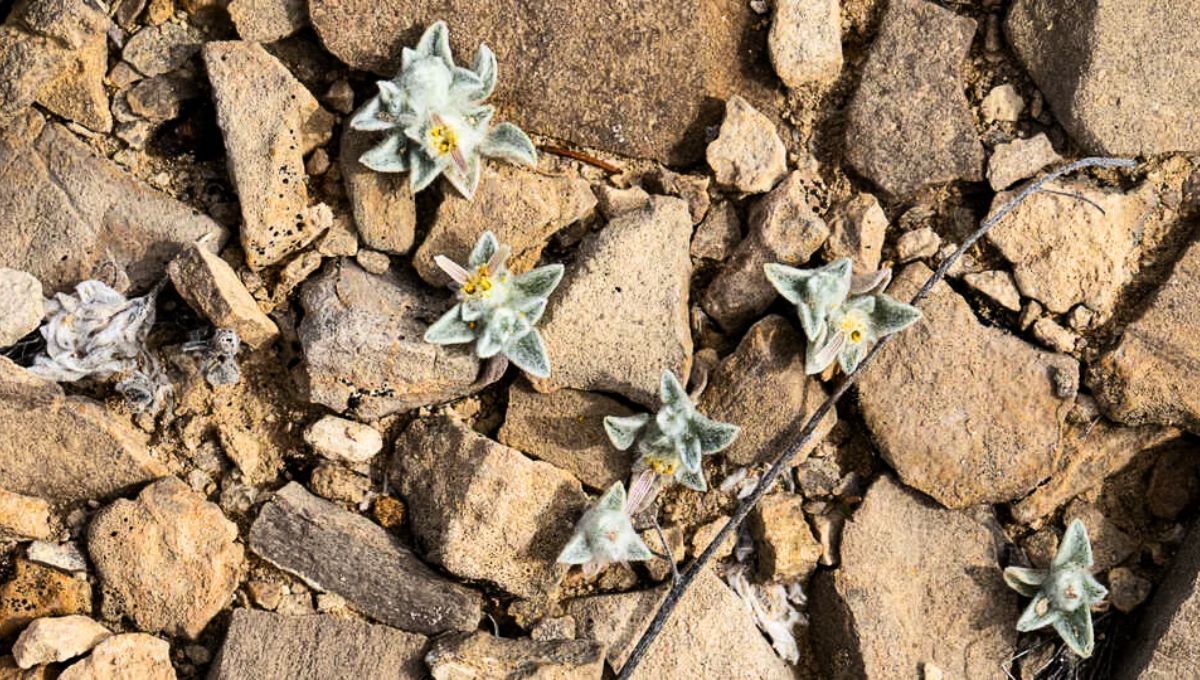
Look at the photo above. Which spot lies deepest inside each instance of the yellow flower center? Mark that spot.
(661, 466)
(853, 328)
(443, 139)
(479, 282)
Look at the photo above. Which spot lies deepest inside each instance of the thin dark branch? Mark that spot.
(662, 539)
(582, 158)
(805, 434)
(1076, 196)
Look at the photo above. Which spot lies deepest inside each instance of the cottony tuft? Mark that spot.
(605, 534)
(435, 118)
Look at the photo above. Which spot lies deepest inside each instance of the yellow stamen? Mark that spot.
(853, 329)
(443, 139)
(478, 282)
(662, 467)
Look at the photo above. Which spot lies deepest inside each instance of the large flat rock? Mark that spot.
(364, 352)
(965, 413)
(909, 125)
(620, 317)
(65, 448)
(261, 645)
(918, 587)
(337, 551)
(66, 213)
(636, 77)
(1152, 373)
(1119, 75)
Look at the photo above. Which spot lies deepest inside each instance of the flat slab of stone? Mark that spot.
(710, 634)
(641, 81)
(482, 655)
(910, 125)
(69, 213)
(566, 428)
(1152, 373)
(212, 288)
(485, 511)
(364, 351)
(65, 448)
(898, 549)
(337, 551)
(261, 645)
(627, 294)
(762, 388)
(965, 413)
(1145, 107)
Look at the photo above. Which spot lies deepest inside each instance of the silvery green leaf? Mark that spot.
(690, 451)
(1025, 581)
(473, 309)
(1075, 628)
(851, 356)
(817, 358)
(481, 116)
(423, 169)
(623, 431)
(484, 248)
(465, 181)
(387, 156)
(576, 551)
(540, 282)
(692, 479)
(613, 499)
(634, 549)
(529, 355)
(890, 315)
(485, 68)
(1093, 591)
(436, 42)
(450, 329)
(367, 118)
(815, 292)
(509, 142)
(1038, 614)
(407, 57)
(532, 308)
(466, 84)
(1075, 550)
(498, 330)
(713, 436)
(391, 95)
(671, 392)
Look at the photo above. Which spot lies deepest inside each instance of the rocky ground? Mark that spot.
(361, 504)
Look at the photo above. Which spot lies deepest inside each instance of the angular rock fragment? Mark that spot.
(481, 655)
(363, 347)
(339, 484)
(1143, 109)
(627, 293)
(70, 213)
(211, 287)
(909, 125)
(998, 286)
(133, 655)
(718, 234)
(566, 428)
(784, 229)
(611, 201)
(24, 517)
(482, 510)
(1003, 103)
(263, 645)
(641, 83)
(169, 559)
(264, 21)
(917, 244)
(385, 212)
(857, 229)
(710, 633)
(1019, 159)
(1066, 252)
(748, 154)
(343, 440)
(155, 50)
(65, 448)
(63, 556)
(787, 549)
(955, 423)
(269, 121)
(77, 93)
(21, 305)
(766, 370)
(57, 639)
(899, 549)
(805, 41)
(35, 591)
(340, 552)
(521, 207)
(1151, 375)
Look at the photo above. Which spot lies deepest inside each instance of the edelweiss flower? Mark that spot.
(436, 120)
(1064, 594)
(497, 310)
(842, 315)
(673, 443)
